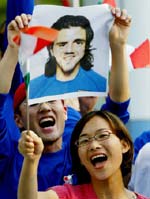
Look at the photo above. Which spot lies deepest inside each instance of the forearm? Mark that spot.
(7, 68)
(119, 77)
(28, 187)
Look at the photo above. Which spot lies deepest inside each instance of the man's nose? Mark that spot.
(69, 47)
(45, 106)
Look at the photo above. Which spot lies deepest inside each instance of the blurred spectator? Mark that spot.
(140, 141)
(140, 178)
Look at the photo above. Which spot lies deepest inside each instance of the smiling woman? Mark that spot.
(104, 126)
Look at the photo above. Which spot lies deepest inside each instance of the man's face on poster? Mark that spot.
(69, 48)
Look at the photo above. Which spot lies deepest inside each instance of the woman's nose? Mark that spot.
(94, 144)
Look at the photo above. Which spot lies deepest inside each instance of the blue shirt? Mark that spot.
(84, 81)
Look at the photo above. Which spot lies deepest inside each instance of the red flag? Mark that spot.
(110, 2)
(45, 36)
(141, 56)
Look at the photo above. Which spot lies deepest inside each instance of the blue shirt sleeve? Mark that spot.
(7, 122)
(7, 134)
(140, 142)
(15, 8)
(117, 108)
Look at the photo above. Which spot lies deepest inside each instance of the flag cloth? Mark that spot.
(110, 2)
(32, 40)
(141, 56)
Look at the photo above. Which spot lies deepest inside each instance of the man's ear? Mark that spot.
(18, 120)
(125, 146)
(65, 111)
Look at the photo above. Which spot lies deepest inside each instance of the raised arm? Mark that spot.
(10, 58)
(31, 147)
(119, 90)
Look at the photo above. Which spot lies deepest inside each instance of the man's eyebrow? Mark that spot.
(79, 39)
(64, 42)
(61, 42)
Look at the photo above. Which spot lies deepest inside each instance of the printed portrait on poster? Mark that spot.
(77, 62)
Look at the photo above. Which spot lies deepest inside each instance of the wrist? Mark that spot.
(32, 161)
(117, 46)
(12, 52)
(13, 48)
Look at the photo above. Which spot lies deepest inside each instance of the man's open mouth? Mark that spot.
(47, 122)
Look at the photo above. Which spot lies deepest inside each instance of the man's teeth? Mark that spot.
(98, 156)
(47, 122)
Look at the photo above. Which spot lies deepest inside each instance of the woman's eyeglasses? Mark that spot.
(102, 135)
